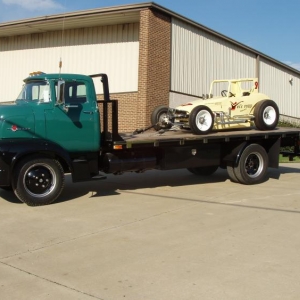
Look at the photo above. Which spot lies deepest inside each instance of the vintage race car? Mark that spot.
(238, 105)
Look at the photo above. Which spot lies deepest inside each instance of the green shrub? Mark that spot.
(283, 123)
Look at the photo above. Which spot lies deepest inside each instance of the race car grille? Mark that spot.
(180, 114)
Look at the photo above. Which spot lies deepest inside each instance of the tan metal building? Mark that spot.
(151, 54)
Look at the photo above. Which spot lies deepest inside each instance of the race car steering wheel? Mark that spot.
(225, 92)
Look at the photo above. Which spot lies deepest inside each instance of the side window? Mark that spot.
(81, 90)
(75, 92)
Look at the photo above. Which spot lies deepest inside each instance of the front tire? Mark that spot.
(201, 120)
(38, 181)
(252, 166)
(266, 115)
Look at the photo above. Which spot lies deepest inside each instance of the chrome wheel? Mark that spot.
(39, 180)
(201, 120)
(269, 115)
(254, 165)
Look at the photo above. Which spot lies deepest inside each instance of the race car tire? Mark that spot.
(203, 171)
(252, 166)
(201, 120)
(266, 114)
(157, 117)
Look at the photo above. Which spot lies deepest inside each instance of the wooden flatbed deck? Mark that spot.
(182, 137)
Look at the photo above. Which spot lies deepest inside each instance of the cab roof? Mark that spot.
(64, 76)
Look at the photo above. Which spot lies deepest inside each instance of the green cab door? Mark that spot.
(74, 124)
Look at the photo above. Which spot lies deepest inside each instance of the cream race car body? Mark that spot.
(232, 110)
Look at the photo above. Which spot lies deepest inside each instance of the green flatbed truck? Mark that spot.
(53, 128)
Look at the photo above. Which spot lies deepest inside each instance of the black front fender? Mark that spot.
(13, 150)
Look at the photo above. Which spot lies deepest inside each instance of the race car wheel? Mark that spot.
(204, 171)
(201, 120)
(159, 116)
(252, 166)
(266, 115)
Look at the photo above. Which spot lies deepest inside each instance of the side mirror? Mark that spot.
(60, 92)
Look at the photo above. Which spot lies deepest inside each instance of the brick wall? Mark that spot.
(154, 73)
(127, 110)
(154, 63)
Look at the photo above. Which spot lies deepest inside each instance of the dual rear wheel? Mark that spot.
(252, 166)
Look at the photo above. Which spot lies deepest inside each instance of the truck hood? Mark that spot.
(16, 121)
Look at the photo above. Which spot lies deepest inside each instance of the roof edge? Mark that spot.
(78, 13)
(224, 37)
(137, 7)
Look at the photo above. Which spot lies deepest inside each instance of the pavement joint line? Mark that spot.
(51, 281)
(223, 203)
(95, 233)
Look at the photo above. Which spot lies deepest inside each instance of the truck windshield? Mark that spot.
(35, 91)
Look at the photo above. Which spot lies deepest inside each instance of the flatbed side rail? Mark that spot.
(180, 138)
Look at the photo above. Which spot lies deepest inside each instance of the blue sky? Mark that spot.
(269, 26)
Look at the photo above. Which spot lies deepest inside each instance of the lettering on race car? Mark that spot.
(248, 106)
(234, 105)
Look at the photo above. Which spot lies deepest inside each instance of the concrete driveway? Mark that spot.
(156, 236)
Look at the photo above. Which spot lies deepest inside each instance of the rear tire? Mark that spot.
(38, 181)
(231, 174)
(266, 115)
(201, 120)
(252, 166)
(204, 171)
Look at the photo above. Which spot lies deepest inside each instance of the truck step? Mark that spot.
(99, 177)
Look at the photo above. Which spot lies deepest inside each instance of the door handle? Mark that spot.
(88, 112)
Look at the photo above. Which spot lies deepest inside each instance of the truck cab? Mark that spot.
(59, 108)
